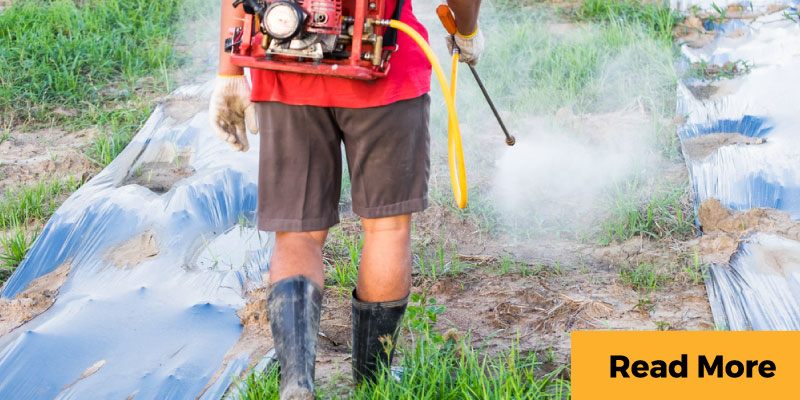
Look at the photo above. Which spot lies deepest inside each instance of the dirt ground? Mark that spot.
(34, 300)
(556, 286)
(28, 156)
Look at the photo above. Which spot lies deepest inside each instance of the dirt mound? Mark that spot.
(30, 156)
(164, 170)
(692, 32)
(160, 176)
(724, 229)
(702, 146)
(36, 299)
(182, 109)
(134, 251)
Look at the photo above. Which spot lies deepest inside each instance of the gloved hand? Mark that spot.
(469, 47)
(230, 110)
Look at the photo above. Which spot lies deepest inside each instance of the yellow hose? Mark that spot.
(455, 153)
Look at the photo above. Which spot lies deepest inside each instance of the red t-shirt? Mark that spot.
(409, 77)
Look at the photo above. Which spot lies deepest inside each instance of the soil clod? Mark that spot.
(36, 299)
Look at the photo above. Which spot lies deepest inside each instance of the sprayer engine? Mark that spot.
(340, 38)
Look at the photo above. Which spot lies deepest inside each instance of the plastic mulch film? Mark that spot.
(145, 267)
(742, 145)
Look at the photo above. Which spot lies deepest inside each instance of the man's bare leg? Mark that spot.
(384, 273)
(381, 295)
(298, 253)
(294, 305)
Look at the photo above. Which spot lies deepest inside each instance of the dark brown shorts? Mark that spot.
(300, 164)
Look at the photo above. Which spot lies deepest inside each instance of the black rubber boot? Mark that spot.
(375, 329)
(293, 305)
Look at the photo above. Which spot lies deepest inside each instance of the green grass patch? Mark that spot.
(666, 213)
(14, 246)
(657, 19)
(713, 72)
(24, 209)
(36, 202)
(75, 56)
(119, 126)
(610, 56)
(643, 278)
(341, 254)
(437, 367)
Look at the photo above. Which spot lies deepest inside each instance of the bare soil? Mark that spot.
(36, 299)
(134, 251)
(26, 157)
(724, 229)
(168, 167)
(700, 147)
(556, 286)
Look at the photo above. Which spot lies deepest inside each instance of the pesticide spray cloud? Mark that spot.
(566, 168)
(559, 179)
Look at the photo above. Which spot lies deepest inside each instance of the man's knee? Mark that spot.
(304, 239)
(396, 225)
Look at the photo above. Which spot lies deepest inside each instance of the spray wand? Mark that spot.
(449, 23)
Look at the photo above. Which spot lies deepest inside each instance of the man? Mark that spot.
(303, 119)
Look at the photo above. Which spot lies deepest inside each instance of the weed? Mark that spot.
(731, 69)
(721, 11)
(342, 254)
(644, 304)
(696, 271)
(5, 134)
(437, 263)
(97, 51)
(507, 264)
(662, 325)
(557, 268)
(120, 126)
(261, 385)
(450, 369)
(35, 202)
(667, 213)
(421, 314)
(658, 19)
(643, 278)
(14, 248)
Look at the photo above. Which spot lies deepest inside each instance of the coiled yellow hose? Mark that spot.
(455, 153)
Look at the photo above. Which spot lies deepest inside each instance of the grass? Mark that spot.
(694, 270)
(121, 125)
(35, 202)
(24, 210)
(342, 251)
(658, 19)
(96, 51)
(617, 55)
(667, 213)
(14, 248)
(713, 72)
(81, 64)
(437, 367)
(643, 278)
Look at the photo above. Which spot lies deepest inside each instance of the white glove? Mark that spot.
(230, 110)
(469, 47)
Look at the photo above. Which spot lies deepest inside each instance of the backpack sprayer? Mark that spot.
(352, 40)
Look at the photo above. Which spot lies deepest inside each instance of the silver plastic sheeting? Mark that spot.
(160, 248)
(755, 291)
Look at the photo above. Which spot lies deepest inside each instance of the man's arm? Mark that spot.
(466, 14)
(231, 18)
(230, 109)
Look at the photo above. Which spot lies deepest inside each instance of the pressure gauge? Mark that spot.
(283, 19)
